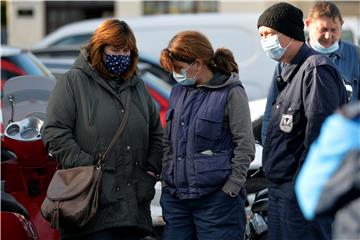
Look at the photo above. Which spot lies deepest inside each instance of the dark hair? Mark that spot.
(325, 9)
(115, 33)
(188, 46)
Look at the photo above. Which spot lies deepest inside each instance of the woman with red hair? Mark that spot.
(84, 112)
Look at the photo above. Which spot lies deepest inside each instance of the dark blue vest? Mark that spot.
(201, 145)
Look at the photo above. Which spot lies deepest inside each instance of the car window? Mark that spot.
(72, 40)
(21, 64)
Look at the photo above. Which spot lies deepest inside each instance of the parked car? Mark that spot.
(17, 62)
(237, 32)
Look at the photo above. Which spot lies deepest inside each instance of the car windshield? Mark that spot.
(72, 40)
(21, 64)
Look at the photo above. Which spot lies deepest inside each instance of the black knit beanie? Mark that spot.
(284, 18)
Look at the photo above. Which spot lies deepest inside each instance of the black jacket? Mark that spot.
(313, 89)
(82, 117)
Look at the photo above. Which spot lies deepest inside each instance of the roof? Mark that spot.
(148, 22)
(8, 50)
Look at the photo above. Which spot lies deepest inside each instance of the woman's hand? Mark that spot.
(153, 174)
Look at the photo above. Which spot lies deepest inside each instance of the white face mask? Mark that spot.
(271, 46)
(321, 49)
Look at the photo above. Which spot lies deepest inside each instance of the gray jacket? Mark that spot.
(82, 117)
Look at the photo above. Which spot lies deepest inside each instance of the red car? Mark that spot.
(17, 62)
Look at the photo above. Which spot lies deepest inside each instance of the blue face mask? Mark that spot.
(321, 49)
(117, 64)
(272, 47)
(182, 77)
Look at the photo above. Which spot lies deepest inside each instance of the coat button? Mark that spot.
(179, 158)
(136, 163)
(182, 123)
(277, 106)
(117, 189)
(128, 147)
(129, 184)
(122, 110)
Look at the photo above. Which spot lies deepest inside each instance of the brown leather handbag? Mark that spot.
(73, 193)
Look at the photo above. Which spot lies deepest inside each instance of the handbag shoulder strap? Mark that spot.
(103, 156)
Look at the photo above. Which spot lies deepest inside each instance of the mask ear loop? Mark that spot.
(279, 35)
(289, 43)
(189, 66)
(196, 74)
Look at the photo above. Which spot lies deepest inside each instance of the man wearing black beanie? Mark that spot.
(310, 89)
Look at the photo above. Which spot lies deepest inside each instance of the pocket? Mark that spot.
(108, 194)
(145, 187)
(168, 173)
(212, 170)
(208, 129)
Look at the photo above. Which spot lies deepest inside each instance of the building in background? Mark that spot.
(27, 22)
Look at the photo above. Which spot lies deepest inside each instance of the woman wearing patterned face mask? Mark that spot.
(208, 144)
(85, 110)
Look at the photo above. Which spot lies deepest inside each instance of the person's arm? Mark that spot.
(323, 93)
(155, 139)
(338, 137)
(241, 129)
(357, 90)
(59, 126)
(166, 141)
(272, 95)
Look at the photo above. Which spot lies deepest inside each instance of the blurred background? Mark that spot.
(24, 23)
(46, 37)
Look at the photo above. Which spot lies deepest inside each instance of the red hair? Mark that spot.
(114, 33)
(188, 46)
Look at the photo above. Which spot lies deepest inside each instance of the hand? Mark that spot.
(231, 194)
(152, 174)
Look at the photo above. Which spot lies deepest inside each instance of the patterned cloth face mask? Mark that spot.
(117, 64)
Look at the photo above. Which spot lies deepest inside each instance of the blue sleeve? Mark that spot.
(338, 136)
(272, 95)
(323, 93)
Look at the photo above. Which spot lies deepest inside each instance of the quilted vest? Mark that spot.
(201, 145)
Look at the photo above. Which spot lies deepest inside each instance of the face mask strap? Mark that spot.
(185, 70)
(289, 44)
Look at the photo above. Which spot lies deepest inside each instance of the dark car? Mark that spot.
(60, 60)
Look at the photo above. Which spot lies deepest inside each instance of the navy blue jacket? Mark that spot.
(209, 141)
(308, 97)
(347, 61)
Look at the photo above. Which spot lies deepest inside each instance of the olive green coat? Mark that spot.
(82, 117)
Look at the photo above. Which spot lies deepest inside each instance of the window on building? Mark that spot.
(59, 13)
(173, 7)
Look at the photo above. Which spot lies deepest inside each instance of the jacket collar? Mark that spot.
(288, 68)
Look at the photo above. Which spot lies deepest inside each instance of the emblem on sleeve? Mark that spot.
(286, 123)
